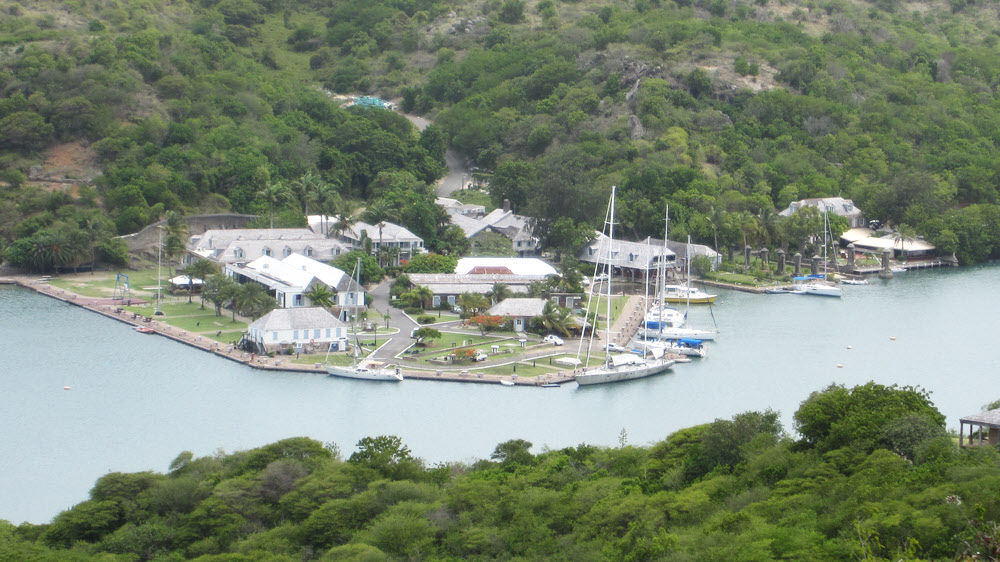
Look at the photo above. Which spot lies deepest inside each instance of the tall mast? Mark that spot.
(687, 265)
(611, 267)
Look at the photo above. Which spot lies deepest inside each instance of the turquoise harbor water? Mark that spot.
(137, 401)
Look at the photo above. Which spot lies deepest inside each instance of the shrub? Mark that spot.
(411, 310)
(425, 319)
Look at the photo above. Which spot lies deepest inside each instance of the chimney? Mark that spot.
(506, 205)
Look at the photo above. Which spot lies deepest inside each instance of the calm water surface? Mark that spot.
(138, 401)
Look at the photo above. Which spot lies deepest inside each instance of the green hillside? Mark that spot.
(726, 110)
(874, 477)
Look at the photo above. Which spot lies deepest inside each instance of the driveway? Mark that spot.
(400, 341)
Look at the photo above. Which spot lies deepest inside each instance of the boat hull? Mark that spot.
(822, 290)
(677, 334)
(604, 375)
(361, 373)
(694, 300)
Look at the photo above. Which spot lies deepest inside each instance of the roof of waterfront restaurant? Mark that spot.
(989, 419)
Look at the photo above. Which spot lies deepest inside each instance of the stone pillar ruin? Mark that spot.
(763, 256)
(815, 264)
(886, 272)
(781, 261)
(850, 258)
(746, 257)
(798, 264)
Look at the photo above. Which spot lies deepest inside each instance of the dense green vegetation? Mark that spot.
(874, 477)
(725, 109)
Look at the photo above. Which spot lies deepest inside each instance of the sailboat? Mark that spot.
(663, 331)
(624, 366)
(819, 287)
(364, 369)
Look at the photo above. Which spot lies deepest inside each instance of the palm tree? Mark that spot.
(322, 194)
(770, 227)
(499, 292)
(175, 243)
(380, 212)
(200, 269)
(94, 226)
(471, 302)
(49, 250)
(556, 318)
(423, 295)
(218, 290)
(252, 300)
(274, 195)
(902, 234)
(321, 295)
(345, 215)
(301, 189)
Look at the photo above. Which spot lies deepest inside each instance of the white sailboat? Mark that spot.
(625, 366)
(821, 288)
(363, 369)
(674, 332)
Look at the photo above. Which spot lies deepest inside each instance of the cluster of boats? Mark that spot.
(664, 338)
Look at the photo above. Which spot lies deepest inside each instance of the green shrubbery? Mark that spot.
(869, 457)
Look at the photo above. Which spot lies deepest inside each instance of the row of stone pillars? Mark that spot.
(817, 261)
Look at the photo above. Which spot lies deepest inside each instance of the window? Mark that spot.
(436, 300)
(274, 336)
(297, 300)
(308, 251)
(295, 334)
(286, 251)
(267, 251)
(238, 252)
(328, 332)
(316, 333)
(451, 299)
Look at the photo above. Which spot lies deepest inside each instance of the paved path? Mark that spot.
(399, 341)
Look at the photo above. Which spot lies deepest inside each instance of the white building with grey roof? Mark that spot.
(298, 327)
(245, 245)
(290, 279)
(836, 205)
(634, 259)
(393, 237)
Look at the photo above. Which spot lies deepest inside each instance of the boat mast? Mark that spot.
(611, 267)
(687, 266)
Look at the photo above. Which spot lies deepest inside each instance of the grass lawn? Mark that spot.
(208, 323)
(334, 359)
(736, 278)
(523, 369)
(224, 337)
(599, 304)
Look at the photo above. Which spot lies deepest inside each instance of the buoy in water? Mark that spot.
(849, 347)
(840, 365)
(892, 338)
(65, 388)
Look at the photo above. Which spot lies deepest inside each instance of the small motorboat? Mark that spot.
(854, 281)
(507, 383)
(784, 291)
(144, 330)
(551, 385)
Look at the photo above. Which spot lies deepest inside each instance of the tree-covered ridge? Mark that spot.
(874, 477)
(725, 109)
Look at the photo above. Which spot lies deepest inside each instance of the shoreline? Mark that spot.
(40, 286)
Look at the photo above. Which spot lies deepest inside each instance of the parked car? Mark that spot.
(553, 339)
(601, 277)
(480, 356)
(614, 347)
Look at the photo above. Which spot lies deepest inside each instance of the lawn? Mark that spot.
(142, 283)
(599, 304)
(523, 369)
(333, 359)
